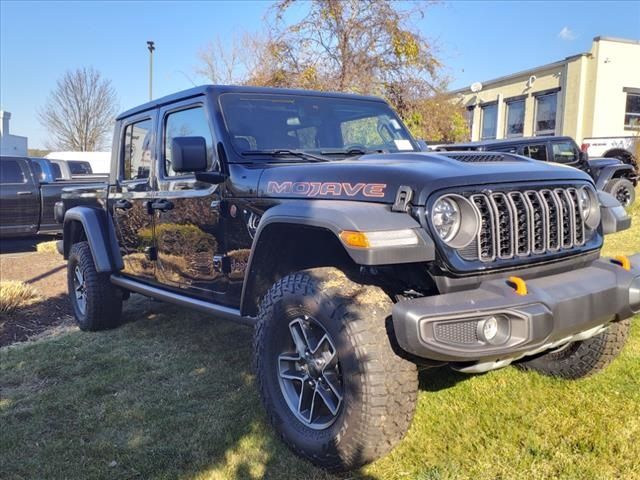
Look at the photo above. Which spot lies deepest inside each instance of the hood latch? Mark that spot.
(403, 199)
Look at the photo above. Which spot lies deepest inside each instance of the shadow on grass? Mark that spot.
(440, 378)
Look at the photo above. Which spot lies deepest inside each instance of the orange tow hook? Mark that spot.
(623, 261)
(518, 285)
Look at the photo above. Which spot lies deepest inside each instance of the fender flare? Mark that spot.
(606, 173)
(336, 216)
(99, 230)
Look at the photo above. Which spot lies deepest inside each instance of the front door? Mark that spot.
(19, 199)
(188, 224)
(130, 197)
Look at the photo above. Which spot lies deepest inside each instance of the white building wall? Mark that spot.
(10, 144)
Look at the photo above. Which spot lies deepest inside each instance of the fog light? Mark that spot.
(494, 330)
(490, 328)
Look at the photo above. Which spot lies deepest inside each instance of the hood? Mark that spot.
(376, 178)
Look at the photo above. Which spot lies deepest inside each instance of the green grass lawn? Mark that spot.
(172, 395)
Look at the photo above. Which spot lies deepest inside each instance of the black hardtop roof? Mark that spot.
(220, 89)
(507, 141)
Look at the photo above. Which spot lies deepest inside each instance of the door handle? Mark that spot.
(163, 205)
(123, 204)
(25, 193)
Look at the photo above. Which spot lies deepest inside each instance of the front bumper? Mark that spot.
(557, 309)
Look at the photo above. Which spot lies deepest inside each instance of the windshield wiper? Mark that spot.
(285, 152)
(351, 152)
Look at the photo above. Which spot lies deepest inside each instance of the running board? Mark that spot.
(226, 313)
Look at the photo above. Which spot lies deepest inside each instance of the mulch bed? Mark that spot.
(46, 272)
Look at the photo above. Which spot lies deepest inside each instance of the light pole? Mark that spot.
(151, 47)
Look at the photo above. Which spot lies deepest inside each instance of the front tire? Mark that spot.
(96, 303)
(323, 338)
(623, 190)
(581, 359)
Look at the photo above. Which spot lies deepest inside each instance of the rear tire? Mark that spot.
(377, 388)
(581, 359)
(96, 303)
(622, 189)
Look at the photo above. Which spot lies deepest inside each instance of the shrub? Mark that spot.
(47, 247)
(14, 295)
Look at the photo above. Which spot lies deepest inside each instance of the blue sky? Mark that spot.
(476, 41)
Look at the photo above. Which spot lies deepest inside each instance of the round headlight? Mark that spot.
(455, 220)
(446, 218)
(589, 207)
(585, 203)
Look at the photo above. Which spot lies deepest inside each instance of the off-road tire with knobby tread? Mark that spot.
(380, 387)
(103, 299)
(581, 359)
(616, 185)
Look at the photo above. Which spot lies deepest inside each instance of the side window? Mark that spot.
(564, 152)
(55, 171)
(37, 170)
(191, 122)
(10, 172)
(537, 152)
(137, 151)
(80, 168)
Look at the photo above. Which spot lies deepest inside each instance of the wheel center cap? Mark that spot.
(314, 366)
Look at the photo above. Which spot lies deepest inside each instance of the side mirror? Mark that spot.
(584, 156)
(188, 154)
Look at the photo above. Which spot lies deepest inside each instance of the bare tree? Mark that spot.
(79, 112)
(227, 62)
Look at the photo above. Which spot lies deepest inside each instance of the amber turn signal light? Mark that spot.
(354, 239)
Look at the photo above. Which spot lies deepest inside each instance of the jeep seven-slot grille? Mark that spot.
(521, 223)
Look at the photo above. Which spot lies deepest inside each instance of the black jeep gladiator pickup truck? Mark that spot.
(315, 218)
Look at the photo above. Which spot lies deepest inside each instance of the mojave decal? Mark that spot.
(323, 189)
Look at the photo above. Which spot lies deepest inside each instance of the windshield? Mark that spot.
(325, 125)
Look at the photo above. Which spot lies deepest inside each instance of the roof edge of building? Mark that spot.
(549, 65)
(600, 38)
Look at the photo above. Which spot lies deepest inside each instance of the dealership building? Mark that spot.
(589, 95)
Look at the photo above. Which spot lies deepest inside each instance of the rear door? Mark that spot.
(189, 227)
(130, 196)
(19, 198)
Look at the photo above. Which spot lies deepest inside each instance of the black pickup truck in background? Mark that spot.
(29, 190)
(610, 174)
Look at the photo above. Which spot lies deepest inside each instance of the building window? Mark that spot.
(489, 121)
(546, 106)
(632, 111)
(469, 118)
(515, 118)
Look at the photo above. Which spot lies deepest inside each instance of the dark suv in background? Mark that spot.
(610, 174)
